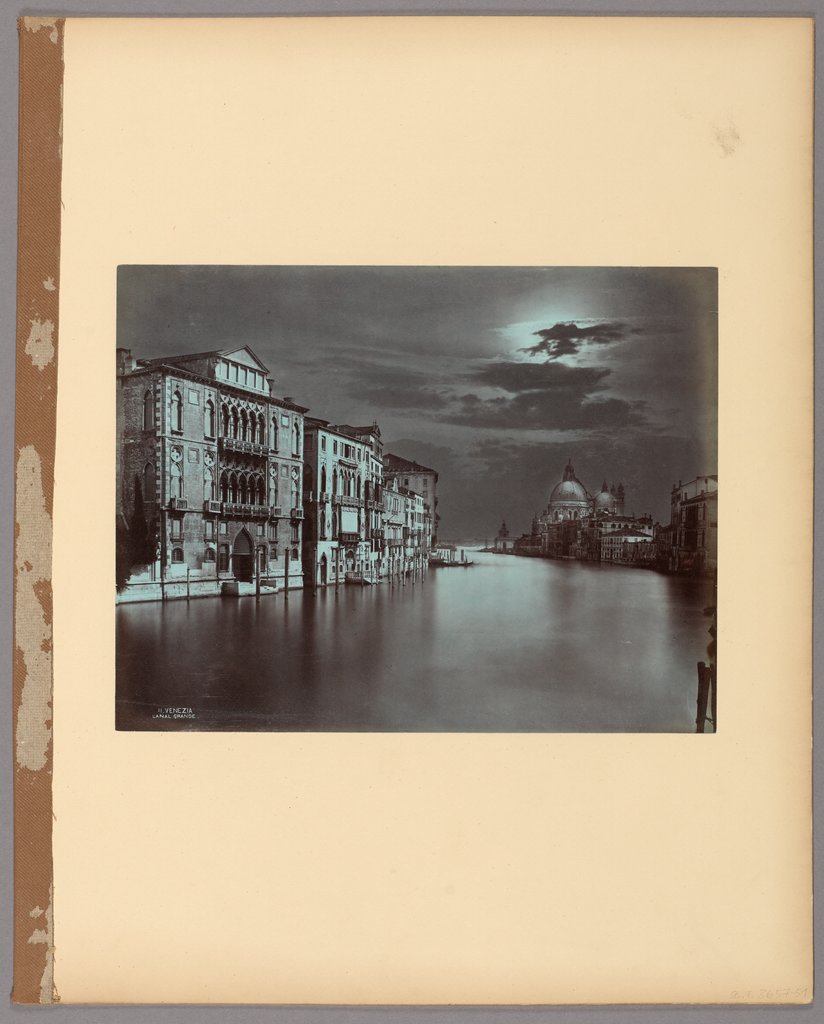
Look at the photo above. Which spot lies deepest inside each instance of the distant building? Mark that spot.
(503, 542)
(209, 475)
(420, 479)
(628, 547)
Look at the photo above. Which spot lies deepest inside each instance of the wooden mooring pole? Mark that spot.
(706, 696)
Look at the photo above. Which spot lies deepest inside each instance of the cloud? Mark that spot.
(565, 339)
(543, 396)
(516, 377)
(389, 385)
(547, 410)
(399, 397)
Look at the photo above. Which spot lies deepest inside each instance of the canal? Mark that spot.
(507, 645)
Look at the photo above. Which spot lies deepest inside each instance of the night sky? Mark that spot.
(493, 376)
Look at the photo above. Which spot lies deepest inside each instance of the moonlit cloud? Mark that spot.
(567, 338)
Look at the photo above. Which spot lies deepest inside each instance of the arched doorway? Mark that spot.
(242, 564)
(324, 570)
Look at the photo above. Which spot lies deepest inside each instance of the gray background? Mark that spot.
(8, 202)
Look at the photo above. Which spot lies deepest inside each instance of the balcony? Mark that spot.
(179, 504)
(234, 444)
(234, 508)
(351, 502)
(211, 506)
(324, 496)
(276, 511)
(348, 538)
(297, 513)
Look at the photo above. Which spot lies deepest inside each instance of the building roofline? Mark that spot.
(413, 467)
(155, 365)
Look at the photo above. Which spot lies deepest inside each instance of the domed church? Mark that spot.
(575, 523)
(571, 500)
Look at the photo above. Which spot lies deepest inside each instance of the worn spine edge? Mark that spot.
(38, 266)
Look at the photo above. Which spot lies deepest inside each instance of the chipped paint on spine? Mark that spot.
(34, 633)
(40, 343)
(31, 24)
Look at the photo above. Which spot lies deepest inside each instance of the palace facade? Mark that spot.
(210, 467)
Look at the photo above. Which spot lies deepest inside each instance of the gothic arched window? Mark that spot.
(224, 420)
(177, 482)
(210, 418)
(296, 438)
(148, 411)
(177, 411)
(323, 479)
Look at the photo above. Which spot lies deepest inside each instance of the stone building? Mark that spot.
(372, 552)
(394, 523)
(340, 473)
(417, 531)
(691, 543)
(419, 479)
(209, 471)
(628, 546)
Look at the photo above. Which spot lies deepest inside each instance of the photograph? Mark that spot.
(416, 499)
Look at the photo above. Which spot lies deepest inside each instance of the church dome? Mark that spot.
(606, 500)
(570, 492)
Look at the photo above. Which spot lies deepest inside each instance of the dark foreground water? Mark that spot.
(508, 645)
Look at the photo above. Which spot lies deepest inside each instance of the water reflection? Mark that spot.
(509, 645)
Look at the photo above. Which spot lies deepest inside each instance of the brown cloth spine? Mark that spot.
(38, 266)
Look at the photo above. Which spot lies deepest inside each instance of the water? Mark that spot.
(508, 645)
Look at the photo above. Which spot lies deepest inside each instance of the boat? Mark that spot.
(446, 557)
(359, 579)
